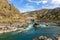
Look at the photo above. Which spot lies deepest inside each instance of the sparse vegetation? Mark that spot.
(46, 15)
(8, 13)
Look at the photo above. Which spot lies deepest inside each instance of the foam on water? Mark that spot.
(25, 30)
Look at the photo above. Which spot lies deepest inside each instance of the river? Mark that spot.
(50, 31)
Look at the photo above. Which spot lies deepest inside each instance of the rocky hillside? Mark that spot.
(8, 13)
(45, 15)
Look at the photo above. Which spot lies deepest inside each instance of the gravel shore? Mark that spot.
(8, 27)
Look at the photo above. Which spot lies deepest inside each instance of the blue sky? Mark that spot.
(32, 5)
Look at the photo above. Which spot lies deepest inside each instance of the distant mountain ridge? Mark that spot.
(46, 15)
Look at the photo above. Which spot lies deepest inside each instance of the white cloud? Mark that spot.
(50, 6)
(28, 8)
(57, 2)
(44, 2)
(38, 1)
